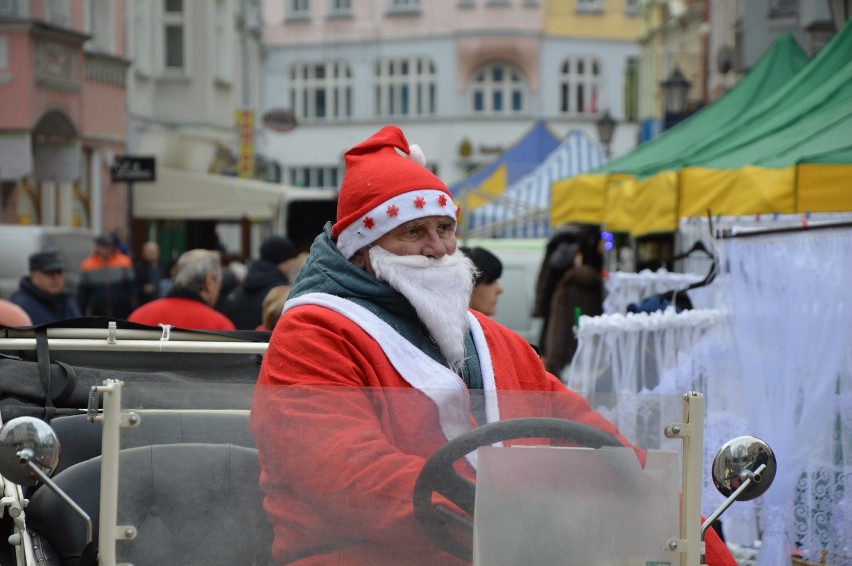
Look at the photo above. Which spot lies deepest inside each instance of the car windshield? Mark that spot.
(327, 457)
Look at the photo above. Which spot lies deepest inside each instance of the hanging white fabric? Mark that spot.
(791, 328)
(623, 288)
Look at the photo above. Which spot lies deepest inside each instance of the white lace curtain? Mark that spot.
(776, 363)
(791, 328)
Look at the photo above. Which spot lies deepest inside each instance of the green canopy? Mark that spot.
(807, 120)
(781, 62)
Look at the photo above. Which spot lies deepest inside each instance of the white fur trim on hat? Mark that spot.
(392, 213)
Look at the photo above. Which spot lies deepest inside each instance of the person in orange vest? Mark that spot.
(107, 281)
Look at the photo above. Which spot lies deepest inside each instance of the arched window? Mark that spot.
(321, 91)
(405, 87)
(580, 85)
(498, 88)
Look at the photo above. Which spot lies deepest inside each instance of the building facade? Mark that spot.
(464, 79)
(62, 86)
(195, 74)
(194, 64)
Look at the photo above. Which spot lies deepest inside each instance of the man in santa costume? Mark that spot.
(373, 365)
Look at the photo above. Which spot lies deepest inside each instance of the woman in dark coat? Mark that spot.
(579, 291)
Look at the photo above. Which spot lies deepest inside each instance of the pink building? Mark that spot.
(62, 113)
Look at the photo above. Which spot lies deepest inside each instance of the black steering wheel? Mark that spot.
(439, 476)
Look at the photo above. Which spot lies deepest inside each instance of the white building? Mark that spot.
(453, 74)
(194, 65)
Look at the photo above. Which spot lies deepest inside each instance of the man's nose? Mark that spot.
(434, 246)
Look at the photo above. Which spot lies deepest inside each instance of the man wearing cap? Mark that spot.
(380, 308)
(244, 305)
(107, 282)
(42, 293)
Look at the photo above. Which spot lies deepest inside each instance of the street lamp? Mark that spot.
(840, 12)
(606, 129)
(675, 91)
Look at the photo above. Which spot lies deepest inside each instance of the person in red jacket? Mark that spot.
(189, 305)
(376, 362)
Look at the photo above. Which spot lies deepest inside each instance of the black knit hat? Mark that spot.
(488, 265)
(277, 249)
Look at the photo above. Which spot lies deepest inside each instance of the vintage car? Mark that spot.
(125, 444)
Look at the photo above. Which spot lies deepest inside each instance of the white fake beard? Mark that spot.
(438, 289)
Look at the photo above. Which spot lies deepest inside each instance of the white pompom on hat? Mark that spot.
(383, 189)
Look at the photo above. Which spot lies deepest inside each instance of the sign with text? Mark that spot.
(245, 126)
(134, 169)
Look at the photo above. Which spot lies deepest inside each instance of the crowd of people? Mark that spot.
(201, 291)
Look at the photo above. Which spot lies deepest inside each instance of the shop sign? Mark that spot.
(279, 119)
(134, 169)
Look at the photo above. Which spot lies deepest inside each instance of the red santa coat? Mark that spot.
(338, 464)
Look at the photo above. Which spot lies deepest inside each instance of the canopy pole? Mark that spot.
(727, 233)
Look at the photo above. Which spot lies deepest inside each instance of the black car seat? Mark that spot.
(194, 503)
(80, 439)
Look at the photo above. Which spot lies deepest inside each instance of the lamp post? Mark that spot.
(606, 129)
(675, 92)
(840, 12)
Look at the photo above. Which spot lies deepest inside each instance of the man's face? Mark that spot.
(103, 250)
(151, 253)
(431, 236)
(420, 260)
(51, 282)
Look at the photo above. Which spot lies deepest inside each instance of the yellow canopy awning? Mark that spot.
(824, 187)
(736, 192)
(579, 199)
(655, 204)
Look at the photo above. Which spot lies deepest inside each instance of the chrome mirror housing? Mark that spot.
(26, 441)
(740, 459)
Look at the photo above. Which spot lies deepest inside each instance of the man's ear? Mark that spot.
(361, 258)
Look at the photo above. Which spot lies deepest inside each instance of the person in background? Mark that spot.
(107, 282)
(579, 291)
(486, 286)
(148, 273)
(121, 241)
(273, 304)
(13, 315)
(189, 305)
(42, 292)
(381, 305)
(245, 303)
(233, 272)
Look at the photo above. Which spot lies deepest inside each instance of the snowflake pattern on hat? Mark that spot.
(392, 213)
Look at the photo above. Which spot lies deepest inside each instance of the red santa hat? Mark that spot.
(383, 189)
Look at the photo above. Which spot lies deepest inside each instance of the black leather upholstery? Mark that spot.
(80, 439)
(191, 503)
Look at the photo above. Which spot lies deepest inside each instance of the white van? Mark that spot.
(521, 260)
(18, 242)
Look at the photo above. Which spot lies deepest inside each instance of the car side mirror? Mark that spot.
(739, 460)
(27, 442)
